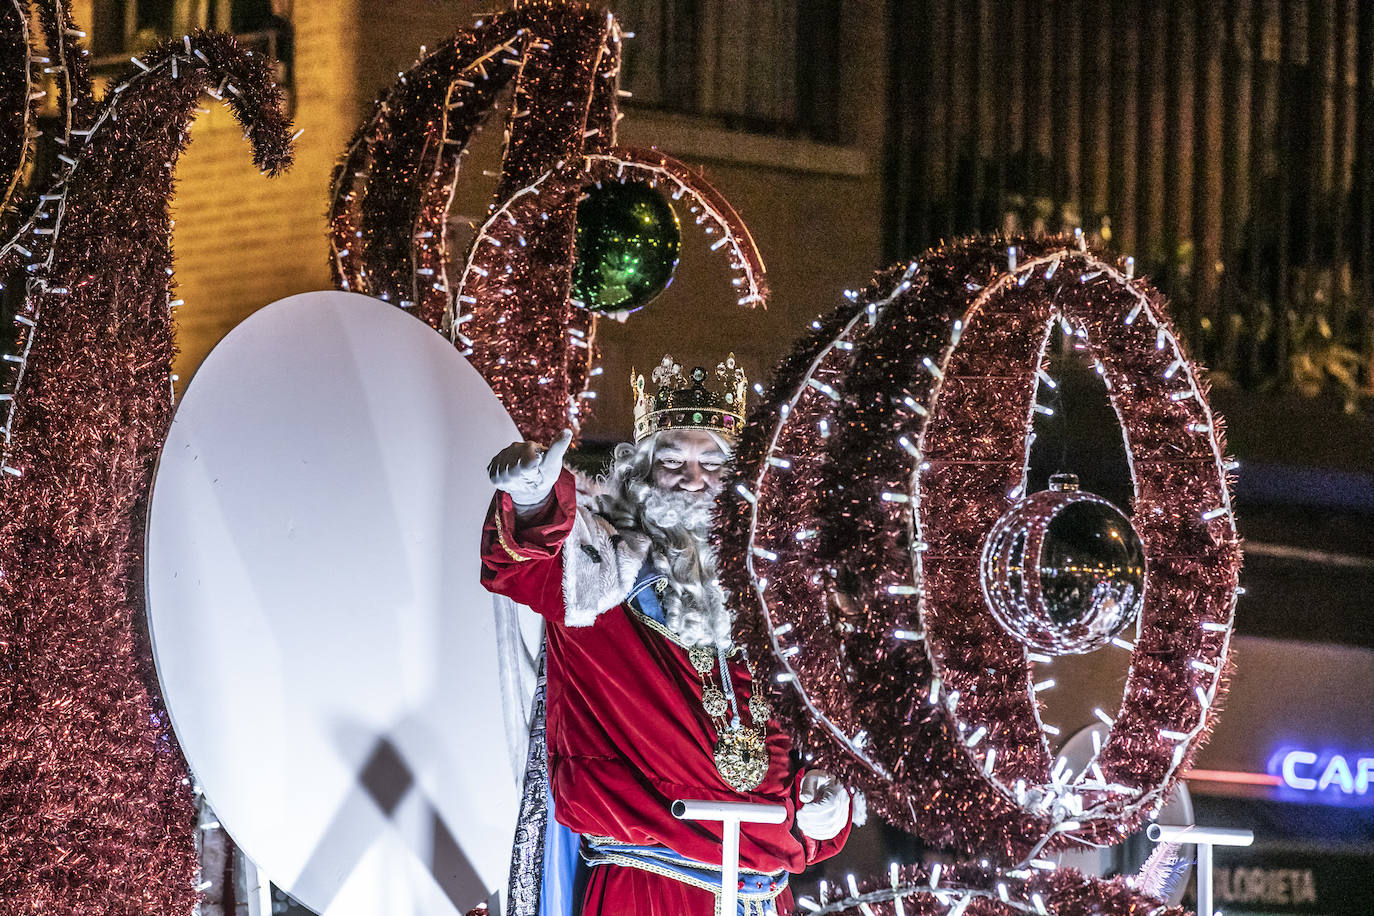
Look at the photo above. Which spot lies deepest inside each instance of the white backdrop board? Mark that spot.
(326, 651)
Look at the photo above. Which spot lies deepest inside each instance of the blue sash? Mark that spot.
(643, 595)
(756, 893)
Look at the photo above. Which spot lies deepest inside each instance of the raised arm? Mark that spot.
(530, 516)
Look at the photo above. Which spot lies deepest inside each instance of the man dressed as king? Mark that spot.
(648, 698)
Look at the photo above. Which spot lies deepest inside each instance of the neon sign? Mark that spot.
(1329, 773)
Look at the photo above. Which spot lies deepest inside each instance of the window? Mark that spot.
(769, 66)
(124, 27)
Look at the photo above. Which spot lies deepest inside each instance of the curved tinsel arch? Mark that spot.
(890, 442)
(98, 807)
(391, 193)
(513, 295)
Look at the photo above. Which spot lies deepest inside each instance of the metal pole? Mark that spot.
(729, 868)
(1204, 879)
(259, 888)
(1205, 838)
(730, 815)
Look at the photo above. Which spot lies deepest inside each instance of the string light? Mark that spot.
(890, 402)
(85, 455)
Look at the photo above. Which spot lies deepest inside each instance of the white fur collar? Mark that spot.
(600, 566)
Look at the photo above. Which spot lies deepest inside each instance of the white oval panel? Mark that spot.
(327, 654)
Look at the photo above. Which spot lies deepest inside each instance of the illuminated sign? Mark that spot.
(1330, 773)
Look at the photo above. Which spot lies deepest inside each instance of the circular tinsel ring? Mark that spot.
(912, 428)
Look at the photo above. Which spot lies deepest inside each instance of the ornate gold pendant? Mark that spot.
(759, 710)
(742, 758)
(703, 658)
(714, 702)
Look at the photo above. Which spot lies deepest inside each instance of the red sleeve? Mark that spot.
(817, 850)
(523, 560)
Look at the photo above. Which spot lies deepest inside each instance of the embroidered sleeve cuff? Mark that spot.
(540, 536)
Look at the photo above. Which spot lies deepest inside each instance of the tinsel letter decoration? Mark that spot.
(392, 191)
(97, 806)
(889, 444)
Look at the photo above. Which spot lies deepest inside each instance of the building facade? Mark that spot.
(1225, 145)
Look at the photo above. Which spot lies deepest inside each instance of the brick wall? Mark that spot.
(243, 240)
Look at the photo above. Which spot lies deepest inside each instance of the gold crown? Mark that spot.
(684, 402)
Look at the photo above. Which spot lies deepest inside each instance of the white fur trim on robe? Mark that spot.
(599, 567)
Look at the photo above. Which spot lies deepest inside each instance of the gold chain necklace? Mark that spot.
(741, 754)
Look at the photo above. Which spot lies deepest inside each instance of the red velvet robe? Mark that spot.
(627, 734)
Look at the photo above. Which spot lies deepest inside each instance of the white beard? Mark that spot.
(678, 524)
(680, 509)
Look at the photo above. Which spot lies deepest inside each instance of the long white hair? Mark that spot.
(678, 525)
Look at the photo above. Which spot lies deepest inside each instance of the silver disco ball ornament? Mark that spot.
(1063, 571)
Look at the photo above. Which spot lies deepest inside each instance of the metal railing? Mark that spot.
(1226, 145)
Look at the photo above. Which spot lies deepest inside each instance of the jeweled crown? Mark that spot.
(678, 401)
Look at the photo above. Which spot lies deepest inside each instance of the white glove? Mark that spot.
(528, 471)
(824, 805)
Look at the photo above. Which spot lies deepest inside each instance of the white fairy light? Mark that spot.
(1105, 719)
(893, 875)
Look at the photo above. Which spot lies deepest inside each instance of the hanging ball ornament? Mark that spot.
(1063, 571)
(628, 238)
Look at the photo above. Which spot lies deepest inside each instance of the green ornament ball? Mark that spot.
(628, 238)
